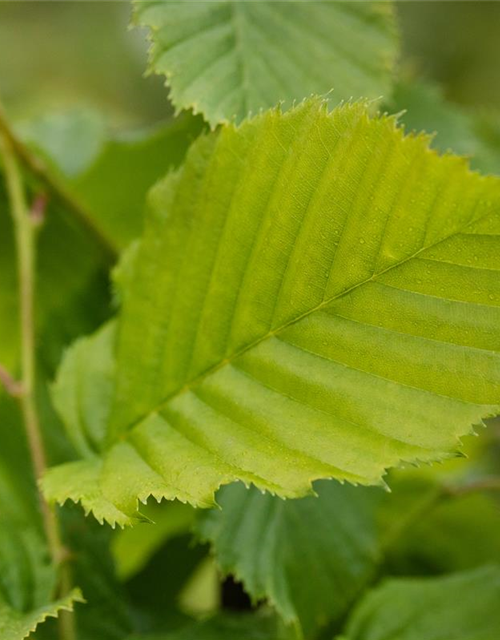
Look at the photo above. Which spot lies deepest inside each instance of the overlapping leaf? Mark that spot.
(310, 558)
(315, 296)
(230, 59)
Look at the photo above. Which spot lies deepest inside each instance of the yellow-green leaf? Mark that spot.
(315, 296)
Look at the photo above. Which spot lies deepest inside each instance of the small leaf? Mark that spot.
(230, 59)
(17, 626)
(462, 606)
(315, 296)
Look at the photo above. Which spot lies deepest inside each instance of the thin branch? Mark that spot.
(37, 167)
(25, 232)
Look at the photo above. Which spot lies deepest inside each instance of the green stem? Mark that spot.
(25, 230)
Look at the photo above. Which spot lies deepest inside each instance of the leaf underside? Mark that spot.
(315, 296)
(230, 59)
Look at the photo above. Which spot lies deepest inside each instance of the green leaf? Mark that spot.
(15, 625)
(108, 174)
(315, 296)
(462, 606)
(230, 59)
(309, 558)
(466, 132)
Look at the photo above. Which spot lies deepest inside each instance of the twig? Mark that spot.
(13, 387)
(491, 483)
(25, 230)
(37, 168)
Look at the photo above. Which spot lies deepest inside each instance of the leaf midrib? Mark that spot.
(219, 365)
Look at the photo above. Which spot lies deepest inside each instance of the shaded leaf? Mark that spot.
(230, 59)
(462, 606)
(309, 558)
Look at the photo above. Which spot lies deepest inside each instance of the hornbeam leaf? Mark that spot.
(462, 606)
(230, 59)
(315, 296)
(312, 558)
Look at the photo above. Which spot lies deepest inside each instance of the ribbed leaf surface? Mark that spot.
(230, 59)
(315, 296)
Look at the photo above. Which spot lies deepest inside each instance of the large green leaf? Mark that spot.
(462, 606)
(230, 59)
(310, 558)
(315, 296)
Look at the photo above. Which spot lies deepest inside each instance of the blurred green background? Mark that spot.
(58, 54)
